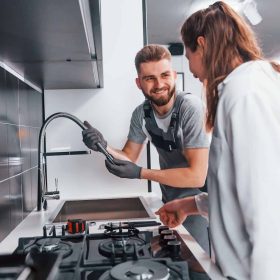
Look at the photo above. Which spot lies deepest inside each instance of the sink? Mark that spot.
(103, 209)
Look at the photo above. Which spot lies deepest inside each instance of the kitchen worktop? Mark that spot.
(33, 223)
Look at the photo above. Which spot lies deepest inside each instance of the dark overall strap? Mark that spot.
(165, 140)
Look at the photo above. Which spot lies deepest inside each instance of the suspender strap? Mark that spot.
(165, 140)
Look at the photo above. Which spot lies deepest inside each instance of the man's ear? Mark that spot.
(137, 80)
(175, 75)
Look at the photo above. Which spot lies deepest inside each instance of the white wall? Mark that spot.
(192, 85)
(109, 109)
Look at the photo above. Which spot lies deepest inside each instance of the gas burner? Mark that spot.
(121, 247)
(120, 231)
(50, 245)
(122, 252)
(138, 270)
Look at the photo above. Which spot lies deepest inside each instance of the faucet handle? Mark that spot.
(45, 204)
(56, 183)
(51, 193)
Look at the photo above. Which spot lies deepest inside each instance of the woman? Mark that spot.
(243, 112)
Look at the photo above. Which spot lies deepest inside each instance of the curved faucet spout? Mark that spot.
(43, 193)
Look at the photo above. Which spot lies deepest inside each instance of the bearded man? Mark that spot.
(174, 123)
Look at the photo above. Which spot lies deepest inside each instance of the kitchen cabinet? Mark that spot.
(55, 44)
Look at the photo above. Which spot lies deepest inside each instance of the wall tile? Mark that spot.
(4, 156)
(34, 184)
(34, 140)
(5, 211)
(12, 98)
(25, 146)
(26, 193)
(20, 122)
(3, 98)
(23, 104)
(35, 107)
(16, 200)
(15, 160)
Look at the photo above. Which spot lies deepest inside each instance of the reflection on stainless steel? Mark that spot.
(104, 209)
(16, 161)
(43, 193)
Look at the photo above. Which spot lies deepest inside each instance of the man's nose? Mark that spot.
(159, 82)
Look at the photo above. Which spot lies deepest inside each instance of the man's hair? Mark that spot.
(151, 53)
(227, 37)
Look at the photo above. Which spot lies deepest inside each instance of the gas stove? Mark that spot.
(120, 252)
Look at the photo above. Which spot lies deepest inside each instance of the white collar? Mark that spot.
(236, 71)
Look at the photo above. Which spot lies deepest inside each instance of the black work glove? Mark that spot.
(92, 136)
(124, 169)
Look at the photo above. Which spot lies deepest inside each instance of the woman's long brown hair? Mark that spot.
(228, 38)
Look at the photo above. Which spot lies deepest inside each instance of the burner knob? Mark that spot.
(63, 230)
(52, 231)
(44, 231)
(168, 238)
(174, 247)
(161, 228)
(164, 233)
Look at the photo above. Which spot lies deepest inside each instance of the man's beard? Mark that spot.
(163, 100)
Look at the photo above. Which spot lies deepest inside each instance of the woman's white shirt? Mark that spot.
(244, 174)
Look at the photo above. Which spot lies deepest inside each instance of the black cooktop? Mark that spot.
(119, 253)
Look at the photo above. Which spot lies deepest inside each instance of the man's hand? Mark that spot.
(175, 212)
(92, 136)
(124, 169)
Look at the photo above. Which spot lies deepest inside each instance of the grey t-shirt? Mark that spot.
(191, 132)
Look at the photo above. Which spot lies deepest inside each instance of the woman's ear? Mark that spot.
(201, 45)
(201, 41)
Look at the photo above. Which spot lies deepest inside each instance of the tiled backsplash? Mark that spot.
(20, 122)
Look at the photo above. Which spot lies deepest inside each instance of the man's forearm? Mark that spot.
(119, 154)
(176, 177)
(130, 152)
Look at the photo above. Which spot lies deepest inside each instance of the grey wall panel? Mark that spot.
(35, 108)
(20, 122)
(34, 136)
(3, 98)
(34, 184)
(23, 104)
(16, 200)
(14, 154)
(25, 147)
(4, 159)
(12, 98)
(5, 225)
(26, 193)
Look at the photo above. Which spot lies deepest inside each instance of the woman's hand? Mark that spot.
(175, 212)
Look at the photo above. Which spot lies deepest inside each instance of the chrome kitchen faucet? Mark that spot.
(43, 193)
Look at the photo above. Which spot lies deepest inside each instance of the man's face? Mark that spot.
(156, 79)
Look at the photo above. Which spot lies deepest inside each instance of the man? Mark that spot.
(173, 122)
